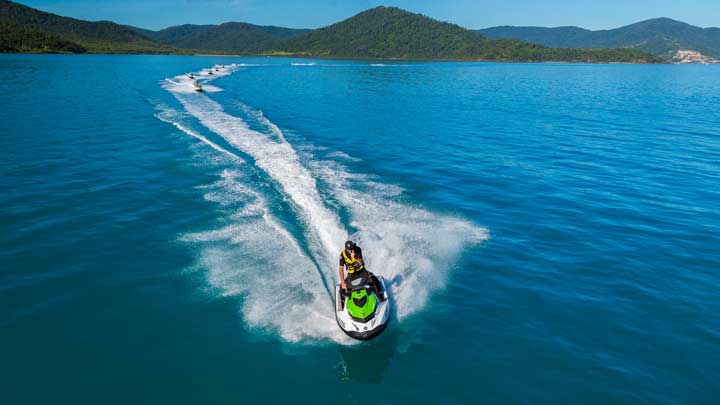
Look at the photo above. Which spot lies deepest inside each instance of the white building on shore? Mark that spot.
(693, 57)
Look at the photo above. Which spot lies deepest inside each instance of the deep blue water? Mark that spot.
(549, 231)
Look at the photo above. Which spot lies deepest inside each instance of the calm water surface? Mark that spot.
(549, 231)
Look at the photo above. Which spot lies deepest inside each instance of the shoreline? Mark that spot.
(346, 58)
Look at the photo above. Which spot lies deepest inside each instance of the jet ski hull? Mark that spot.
(371, 327)
(367, 335)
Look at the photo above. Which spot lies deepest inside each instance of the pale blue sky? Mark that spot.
(592, 14)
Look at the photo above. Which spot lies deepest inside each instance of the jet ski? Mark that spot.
(191, 76)
(198, 87)
(210, 72)
(359, 312)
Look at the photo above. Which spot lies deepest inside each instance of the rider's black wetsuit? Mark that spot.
(362, 272)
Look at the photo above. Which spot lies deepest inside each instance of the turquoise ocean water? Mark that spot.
(549, 232)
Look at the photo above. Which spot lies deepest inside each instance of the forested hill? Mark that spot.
(389, 32)
(661, 36)
(14, 38)
(232, 37)
(382, 32)
(101, 36)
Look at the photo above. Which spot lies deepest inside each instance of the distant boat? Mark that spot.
(210, 72)
(190, 75)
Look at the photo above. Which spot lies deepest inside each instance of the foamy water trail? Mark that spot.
(169, 115)
(184, 84)
(411, 247)
(343, 156)
(260, 117)
(281, 162)
(257, 258)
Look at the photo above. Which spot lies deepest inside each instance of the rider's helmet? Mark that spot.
(349, 245)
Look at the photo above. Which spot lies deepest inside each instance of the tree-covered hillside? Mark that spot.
(22, 39)
(232, 37)
(389, 32)
(102, 36)
(382, 32)
(661, 36)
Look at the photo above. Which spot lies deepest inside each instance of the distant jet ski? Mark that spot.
(210, 72)
(359, 311)
(198, 87)
(191, 76)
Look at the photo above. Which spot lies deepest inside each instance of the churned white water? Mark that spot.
(286, 280)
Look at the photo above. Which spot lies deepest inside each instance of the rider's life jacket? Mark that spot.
(352, 264)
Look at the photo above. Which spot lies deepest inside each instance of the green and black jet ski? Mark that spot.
(359, 312)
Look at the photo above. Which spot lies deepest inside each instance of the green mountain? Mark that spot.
(389, 32)
(174, 34)
(382, 32)
(14, 38)
(661, 36)
(232, 37)
(96, 37)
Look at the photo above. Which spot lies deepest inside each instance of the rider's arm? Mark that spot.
(341, 267)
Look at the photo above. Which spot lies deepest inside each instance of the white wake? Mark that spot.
(282, 279)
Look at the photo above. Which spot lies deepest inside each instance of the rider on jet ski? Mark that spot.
(351, 259)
